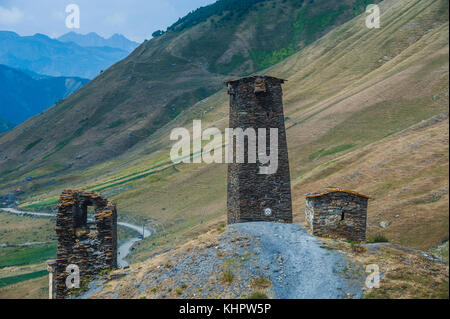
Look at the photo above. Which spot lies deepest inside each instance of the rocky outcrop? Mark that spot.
(278, 260)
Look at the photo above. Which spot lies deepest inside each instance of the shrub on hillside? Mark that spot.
(378, 238)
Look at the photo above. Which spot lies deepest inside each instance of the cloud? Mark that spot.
(10, 16)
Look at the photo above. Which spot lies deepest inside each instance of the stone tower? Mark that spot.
(89, 244)
(256, 102)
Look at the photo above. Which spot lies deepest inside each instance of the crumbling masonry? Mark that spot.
(90, 244)
(337, 213)
(256, 102)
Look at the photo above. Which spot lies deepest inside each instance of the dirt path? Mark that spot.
(298, 266)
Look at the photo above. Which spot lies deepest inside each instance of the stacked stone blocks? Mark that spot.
(337, 213)
(89, 244)
(256, 102)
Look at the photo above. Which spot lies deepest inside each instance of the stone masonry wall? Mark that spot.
(337, 214)
(89, 244)
(256, 102)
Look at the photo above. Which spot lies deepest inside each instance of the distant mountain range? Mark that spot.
(37, 71)
(43, 55)
(24, 95)
(92, 39)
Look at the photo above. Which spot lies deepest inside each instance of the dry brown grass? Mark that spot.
(396, 172)
(30, 289)
(405, 272)
(19, 230)
(261, 283)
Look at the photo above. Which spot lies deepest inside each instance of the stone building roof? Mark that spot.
(254, 77)
(335, 190)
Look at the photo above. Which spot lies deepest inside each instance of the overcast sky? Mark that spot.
(136, 19)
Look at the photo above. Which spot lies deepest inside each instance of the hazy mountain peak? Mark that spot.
(41, 36)
(8, 34)
(92, 39)
(117, 36)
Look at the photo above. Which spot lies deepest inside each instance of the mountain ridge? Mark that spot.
(24, 95)
(134, 98)
(92, 39)
(43, 55)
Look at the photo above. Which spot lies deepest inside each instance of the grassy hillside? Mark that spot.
(28, 282)
(351, 100)
(131, 100)
(365, 110)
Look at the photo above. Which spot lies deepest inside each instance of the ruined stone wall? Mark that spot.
(256, 102)
(89, 244)
(337, 214)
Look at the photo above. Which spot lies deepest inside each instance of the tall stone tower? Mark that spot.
(256, 102)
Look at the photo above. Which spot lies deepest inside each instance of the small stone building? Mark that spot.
(337, 213)
(256, 102)
(89, 243)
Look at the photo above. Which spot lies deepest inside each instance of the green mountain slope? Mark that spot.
(365, 109)
(131, 100)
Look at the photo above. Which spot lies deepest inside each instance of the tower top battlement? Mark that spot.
(254, 78)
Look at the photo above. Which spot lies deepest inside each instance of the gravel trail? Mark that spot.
(297, 264)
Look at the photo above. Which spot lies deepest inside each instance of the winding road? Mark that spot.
(123, 250)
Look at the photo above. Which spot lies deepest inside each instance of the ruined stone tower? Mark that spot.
(256, 102)
(89, 244)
